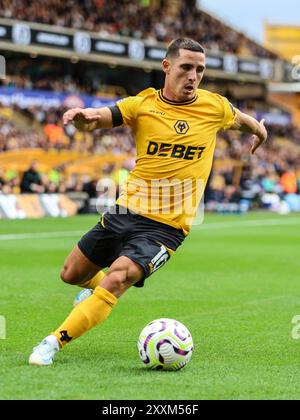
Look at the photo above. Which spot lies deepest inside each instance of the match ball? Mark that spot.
(165, 344)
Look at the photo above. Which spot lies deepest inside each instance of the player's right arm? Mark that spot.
(89, 119)
(124, 112)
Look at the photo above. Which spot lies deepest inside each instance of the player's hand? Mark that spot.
(81, 118)
(260, 138)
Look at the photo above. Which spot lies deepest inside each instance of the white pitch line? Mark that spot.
(250, 223)
(217, 225)
(41, 235)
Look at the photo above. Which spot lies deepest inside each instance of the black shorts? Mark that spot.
(144, 241)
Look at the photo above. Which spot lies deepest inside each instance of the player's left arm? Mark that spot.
(247, 124)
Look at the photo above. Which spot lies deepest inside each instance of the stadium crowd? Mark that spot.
(24, 73)
(59, 84)
(62, 76)
(50, 134)
(153, 21)
(270, 179)
(238, 181)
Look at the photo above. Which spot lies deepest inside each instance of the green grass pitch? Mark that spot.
(234, 283)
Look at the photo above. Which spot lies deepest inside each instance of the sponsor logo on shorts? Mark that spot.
(160, 259)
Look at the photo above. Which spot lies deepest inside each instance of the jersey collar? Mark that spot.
(167, 101)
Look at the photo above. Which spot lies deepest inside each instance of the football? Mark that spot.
(165, 344)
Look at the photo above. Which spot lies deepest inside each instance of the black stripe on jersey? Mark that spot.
(232, 108)
(167, 101)
(117, 117)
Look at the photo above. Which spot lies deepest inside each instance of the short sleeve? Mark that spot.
(228, 113)
(129, 109)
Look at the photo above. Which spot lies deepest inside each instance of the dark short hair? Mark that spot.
(183, 44)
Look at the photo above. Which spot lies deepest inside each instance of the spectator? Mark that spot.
(3, 188)
(289, 182)
(32, 180)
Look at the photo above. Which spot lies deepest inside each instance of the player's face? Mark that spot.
(184, 74)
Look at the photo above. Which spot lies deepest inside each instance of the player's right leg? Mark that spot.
(77, 270)
(96, 249)
(122, 274)
(80, 271)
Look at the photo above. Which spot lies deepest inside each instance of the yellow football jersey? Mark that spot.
(175, 144)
